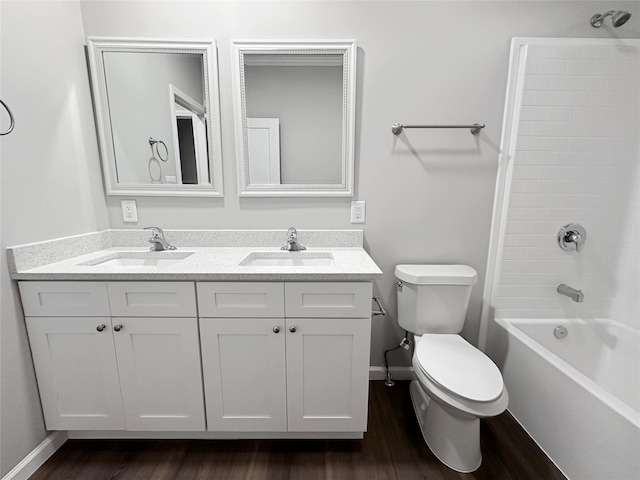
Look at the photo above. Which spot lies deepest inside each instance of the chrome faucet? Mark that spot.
(157, 240)
(292, 244)
(573, 293)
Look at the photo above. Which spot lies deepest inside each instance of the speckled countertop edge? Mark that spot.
(61, 259)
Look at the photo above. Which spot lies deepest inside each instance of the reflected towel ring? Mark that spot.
(155, 170)
(12, 124)
(153, 142)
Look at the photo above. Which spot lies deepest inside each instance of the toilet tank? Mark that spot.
(434, 298)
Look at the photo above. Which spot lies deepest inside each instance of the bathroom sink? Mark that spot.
(287, 259)
(139, 259)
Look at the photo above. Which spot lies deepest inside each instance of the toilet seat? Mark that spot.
(456, 366)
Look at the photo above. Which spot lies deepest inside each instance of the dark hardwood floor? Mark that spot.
(393, 448)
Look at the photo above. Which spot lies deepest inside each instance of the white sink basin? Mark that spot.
(288, 259)
(139, 259)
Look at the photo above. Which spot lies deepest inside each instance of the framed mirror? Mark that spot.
(294, 105)
(158, 115)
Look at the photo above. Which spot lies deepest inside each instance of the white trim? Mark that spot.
(510, 123)
(36, 458)
(190, 108)
(123, 434)
(378, 372)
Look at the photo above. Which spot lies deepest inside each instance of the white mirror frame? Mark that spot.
(346, 48)
(96, 46)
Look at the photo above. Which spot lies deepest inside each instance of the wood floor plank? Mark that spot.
(393, 449)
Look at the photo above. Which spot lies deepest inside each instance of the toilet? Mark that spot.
(456, 383)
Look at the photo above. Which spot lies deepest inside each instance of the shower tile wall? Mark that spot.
(577, 160)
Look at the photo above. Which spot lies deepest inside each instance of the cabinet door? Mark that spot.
(328, 374)
(77, 374)
(160, 374)
(244, 374)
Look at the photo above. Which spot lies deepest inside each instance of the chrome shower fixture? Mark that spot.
(618, 18)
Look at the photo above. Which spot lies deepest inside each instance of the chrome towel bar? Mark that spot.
(381, 310)
(396, 128)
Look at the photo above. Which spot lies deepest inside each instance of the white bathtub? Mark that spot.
(579, 396)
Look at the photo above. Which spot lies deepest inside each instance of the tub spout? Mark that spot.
(573, 293)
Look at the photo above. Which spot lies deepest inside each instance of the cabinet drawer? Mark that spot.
(241, 299)
(330, 299)
(152, 299)
(64, 299)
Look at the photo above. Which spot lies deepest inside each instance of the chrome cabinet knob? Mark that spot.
(117, 328)
(292, 329)
(101, 327)
(276, 329)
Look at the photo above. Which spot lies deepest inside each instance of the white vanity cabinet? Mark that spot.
(285, 356)
(116, 355)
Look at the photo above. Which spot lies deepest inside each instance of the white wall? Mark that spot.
(50, 180)
(429, 193)
(577, 160)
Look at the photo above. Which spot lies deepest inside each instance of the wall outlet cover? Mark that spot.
(129, 211)
(358, 211)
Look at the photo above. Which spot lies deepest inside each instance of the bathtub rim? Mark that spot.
(617, 405)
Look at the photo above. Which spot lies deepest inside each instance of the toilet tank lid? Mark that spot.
(437, 274)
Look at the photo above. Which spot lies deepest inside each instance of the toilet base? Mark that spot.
(454, 439)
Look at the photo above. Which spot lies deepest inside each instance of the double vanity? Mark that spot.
(219, 338)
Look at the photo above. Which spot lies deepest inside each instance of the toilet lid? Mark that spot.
(457, 366)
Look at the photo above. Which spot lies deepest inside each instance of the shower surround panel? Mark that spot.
(576, 160)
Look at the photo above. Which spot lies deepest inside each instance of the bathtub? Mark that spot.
(577, 396)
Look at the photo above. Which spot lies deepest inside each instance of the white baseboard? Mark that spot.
(397, 373)
(37, 457)
(121, 434)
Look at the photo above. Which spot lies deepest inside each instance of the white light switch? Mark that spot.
(129, 211)
(357, 212)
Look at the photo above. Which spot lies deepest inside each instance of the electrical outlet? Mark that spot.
(129, 211)
(358, 212)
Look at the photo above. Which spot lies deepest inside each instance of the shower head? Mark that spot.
(618, 18)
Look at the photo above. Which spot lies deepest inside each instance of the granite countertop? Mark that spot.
(72, 258)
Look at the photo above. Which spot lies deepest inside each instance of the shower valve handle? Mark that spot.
(572, 237)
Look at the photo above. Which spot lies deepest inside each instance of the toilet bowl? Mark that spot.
(450, 401)
(456, 383)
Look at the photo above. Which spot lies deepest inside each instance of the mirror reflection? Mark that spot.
(158, 126)
(149, 99)
(300, 103)
(295, 121)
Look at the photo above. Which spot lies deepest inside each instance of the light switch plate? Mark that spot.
(129, 211)
(358, 211)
